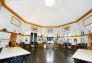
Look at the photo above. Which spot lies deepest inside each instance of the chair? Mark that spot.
(0, 49)
(17, 60)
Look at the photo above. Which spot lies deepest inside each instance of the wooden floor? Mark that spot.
(39, 55)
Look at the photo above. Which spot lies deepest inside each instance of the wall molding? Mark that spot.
(13, 19)
(43, 37)
(86, 24)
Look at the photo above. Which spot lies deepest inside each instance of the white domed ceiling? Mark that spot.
(60, 12)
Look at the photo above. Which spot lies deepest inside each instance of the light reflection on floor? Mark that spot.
(50, 56)
(40, 55)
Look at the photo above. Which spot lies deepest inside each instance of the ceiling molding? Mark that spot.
(22, 19)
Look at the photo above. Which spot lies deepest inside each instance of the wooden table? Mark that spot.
(83, 55)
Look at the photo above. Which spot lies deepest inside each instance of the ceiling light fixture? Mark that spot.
(49, 2)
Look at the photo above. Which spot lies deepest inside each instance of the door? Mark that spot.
(33, 37)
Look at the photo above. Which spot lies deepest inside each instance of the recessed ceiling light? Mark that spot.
(49, 2)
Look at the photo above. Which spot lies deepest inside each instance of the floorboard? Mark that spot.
(40, 55)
